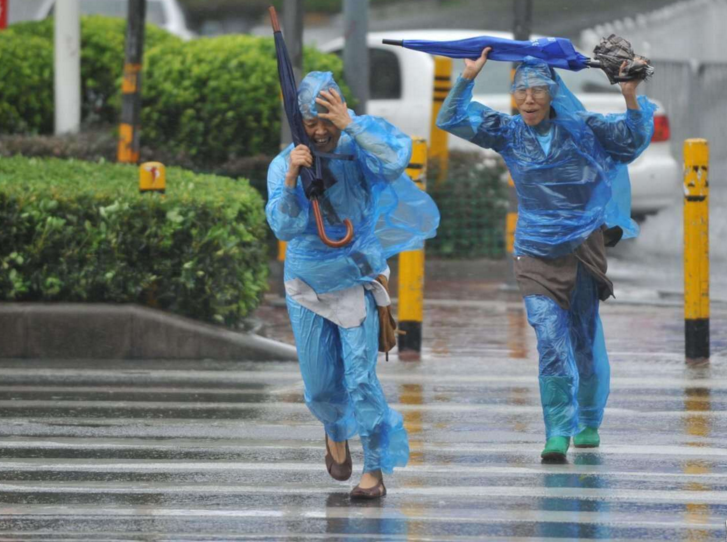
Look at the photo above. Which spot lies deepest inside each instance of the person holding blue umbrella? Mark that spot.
(571, 179)
(336, 295)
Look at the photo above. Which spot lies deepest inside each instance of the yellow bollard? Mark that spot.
(152, 177)
(411, 272)
(439, 139)
(282, 247)
(696, 249)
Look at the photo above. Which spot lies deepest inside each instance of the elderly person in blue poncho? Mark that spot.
(569, 170)
(334, 294)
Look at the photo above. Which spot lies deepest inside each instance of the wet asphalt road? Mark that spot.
(227, 451)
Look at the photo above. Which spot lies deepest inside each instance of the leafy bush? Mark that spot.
(473, 199)
(218, 99)
(207, 101)
(473, 204)
(27, 70)
(77, 231)
(26, 84)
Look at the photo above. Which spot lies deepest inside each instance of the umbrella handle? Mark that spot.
(274, 19)
(322, 232)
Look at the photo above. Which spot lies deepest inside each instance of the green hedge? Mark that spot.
(26, 71)
(208, 100)
(473, 204)
(80, 232)
(217, 99)
(26, 84)
(473, 200)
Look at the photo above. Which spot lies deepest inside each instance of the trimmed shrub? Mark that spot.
(473, 204)
(473, 200)
(218, 99)
(80, 232)
(26, 84)
(206, 101)
(26, 73)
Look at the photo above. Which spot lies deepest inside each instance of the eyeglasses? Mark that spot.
(538, 93)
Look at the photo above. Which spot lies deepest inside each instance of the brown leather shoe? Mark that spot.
(339, 471)
(376, 492)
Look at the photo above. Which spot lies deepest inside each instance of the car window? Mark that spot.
(120, 8)
(384, 74)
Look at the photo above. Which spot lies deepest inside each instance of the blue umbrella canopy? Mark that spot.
(610, 54)
(315, 180)
(557, 52)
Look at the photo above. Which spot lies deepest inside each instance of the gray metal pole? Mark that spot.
(67, 75)
(293, 12)
(355, 51)
(523, 17)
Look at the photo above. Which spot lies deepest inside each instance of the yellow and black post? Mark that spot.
(152, 178)
(128, 150)
(411, 272)
(439, 139)
(696, 249)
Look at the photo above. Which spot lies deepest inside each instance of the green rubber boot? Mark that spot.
(588, 438)
(555, 449)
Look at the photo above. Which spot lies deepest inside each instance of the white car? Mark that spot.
(401, 89)
(166, 14)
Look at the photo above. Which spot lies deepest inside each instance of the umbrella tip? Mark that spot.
(274, 19)
(400, 43)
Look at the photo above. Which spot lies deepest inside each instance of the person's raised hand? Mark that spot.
(628, 88)
(337, 111)
(472, 68)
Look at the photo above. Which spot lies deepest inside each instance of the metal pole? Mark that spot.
(293, 12)
(4, 14)
(67, 73)
(411, 272)
(356, 51)
(521, 31)
(696, 250)
(439, 139)
(293, 31)
(129, 139)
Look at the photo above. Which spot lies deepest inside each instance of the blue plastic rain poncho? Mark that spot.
(326, 287)
(389, 213)
(580, 184)
(571, 180)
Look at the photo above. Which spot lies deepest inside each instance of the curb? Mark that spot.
(105, 331)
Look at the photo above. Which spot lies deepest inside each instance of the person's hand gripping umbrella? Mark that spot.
(314, 182)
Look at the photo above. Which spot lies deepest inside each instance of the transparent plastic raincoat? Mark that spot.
(580, 184)
(570, 182)
(389, 214)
